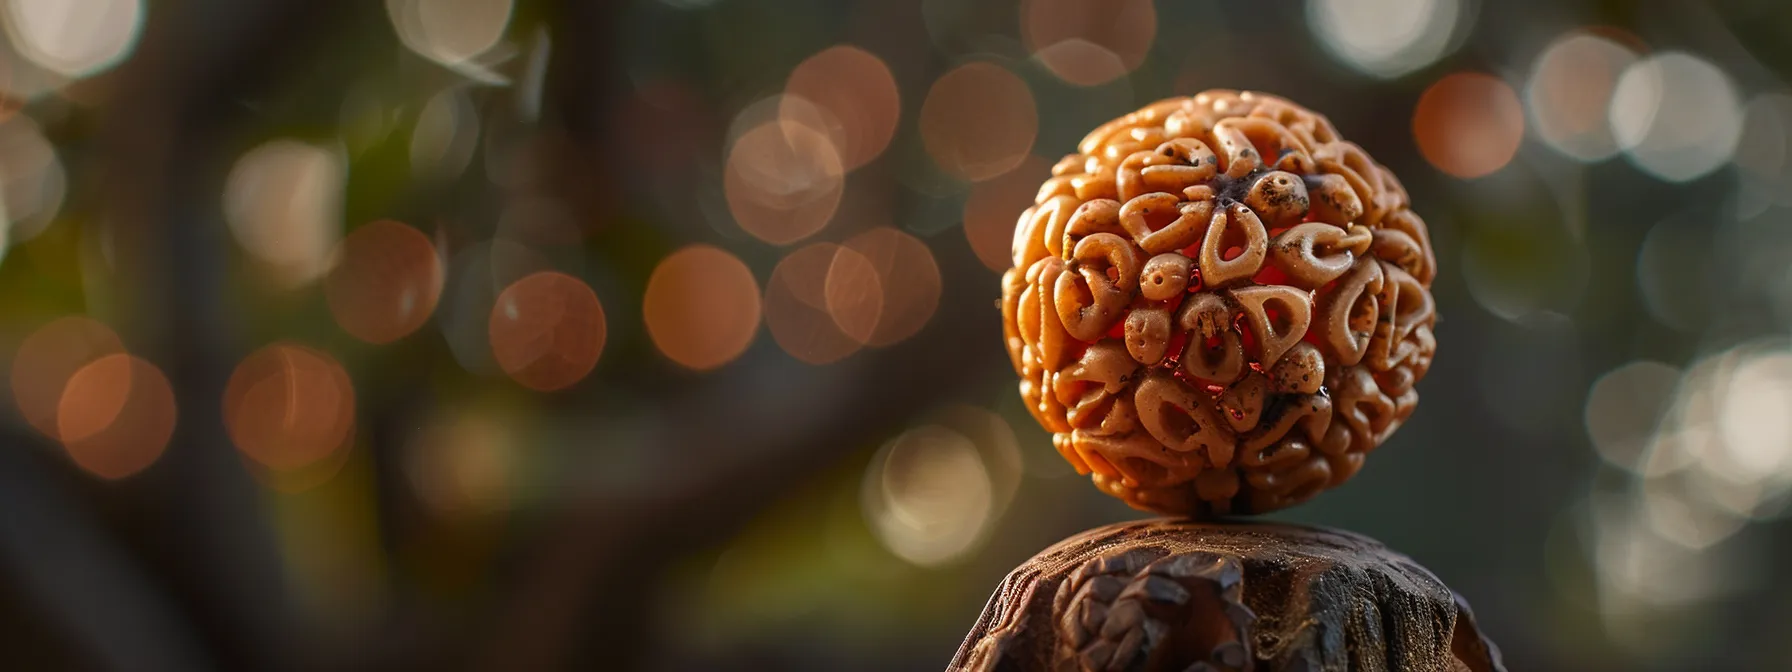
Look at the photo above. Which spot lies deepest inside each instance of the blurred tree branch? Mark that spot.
(186, 550)
(198, 518)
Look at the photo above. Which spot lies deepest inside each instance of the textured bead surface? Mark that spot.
(1219, 306)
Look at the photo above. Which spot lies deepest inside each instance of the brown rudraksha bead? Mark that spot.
(1219, 305)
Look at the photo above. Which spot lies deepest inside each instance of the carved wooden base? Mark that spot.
(1191, 597)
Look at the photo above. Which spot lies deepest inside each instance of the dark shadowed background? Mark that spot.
(661, 334)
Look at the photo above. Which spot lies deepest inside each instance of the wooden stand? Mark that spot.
(1186, 596)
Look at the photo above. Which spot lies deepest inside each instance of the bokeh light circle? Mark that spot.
(1570, 92)
(979, 120)
(857, 89)
(909, 278)
(783, 181)
(1468, 124)
(463, 462)
(116, 416)
(996, 445)
(288, 405)
(1385, 38)
(1753, 419)
(74, 38)
(449, 31)
(475, 275)
(796, 304)
(928, 496)
(701, 307)
(547, 331)
(854, 295)
(384, 281)
(33, 181)
(994, 206)
(1677, 116)
(48, 358)
(1089, 42)
(283, 201)
(1625, 408)
(445, 136)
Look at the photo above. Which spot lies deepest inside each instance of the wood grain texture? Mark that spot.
(1210, 597)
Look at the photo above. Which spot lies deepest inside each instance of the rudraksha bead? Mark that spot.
(1219, 306)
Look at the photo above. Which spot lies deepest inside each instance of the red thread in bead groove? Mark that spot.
(1178, 341)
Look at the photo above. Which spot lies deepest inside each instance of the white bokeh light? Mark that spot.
(74, 38)
(1676, 115)
(445, 136)
(1679, 507)
(283, 201)
(1385, 38)
(928, 495)
(32, 180)
(1625, 406)
(1570, 91)
(450, 32)
(1755, 416)
(1637, 566)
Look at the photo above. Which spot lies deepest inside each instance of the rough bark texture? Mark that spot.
(1206, 597)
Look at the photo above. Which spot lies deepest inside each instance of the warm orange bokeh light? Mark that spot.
(856, 88)
(116, 415)
(783, 181)
(384, 281)
(48, 358)
(547, 331)
(1089, 42)
(979, 121)
(1468, 124)
(702, 307)
(287, 406)
(854, 295)
(796, 308)
(909, 278)
(994, 206)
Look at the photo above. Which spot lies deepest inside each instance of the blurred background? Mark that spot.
(661, 334)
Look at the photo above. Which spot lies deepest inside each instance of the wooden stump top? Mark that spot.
(1233, 596)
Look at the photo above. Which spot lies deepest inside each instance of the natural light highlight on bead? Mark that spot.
(1218, 305)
